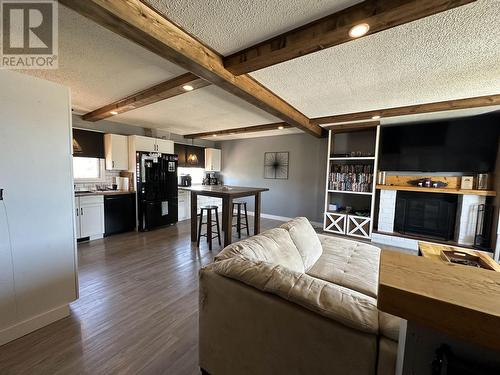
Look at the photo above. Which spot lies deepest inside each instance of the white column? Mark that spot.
(387, 210)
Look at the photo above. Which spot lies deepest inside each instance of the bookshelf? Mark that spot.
(350, 182)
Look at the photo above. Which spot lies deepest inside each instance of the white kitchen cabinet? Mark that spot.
(145, 144)
(116, 152)
(164, 146)
(89, 212)
(213, 158)
(184, 205)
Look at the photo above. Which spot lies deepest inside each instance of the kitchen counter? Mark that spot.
(109, 192)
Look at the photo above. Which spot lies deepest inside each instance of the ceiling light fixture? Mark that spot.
(188, 88)
(214, 135)
(281, 127)
(376, 117)
(113, 113)
(359, 30)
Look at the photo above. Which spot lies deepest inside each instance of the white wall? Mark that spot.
(38, 276)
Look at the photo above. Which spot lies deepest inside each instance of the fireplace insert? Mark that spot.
(426, 214)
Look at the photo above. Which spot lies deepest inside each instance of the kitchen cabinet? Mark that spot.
(89, 211)
(139, 143)
(190, 156)
(88, 144)
(213, 160)
(116, 152)
(184, 205)
(164, 146)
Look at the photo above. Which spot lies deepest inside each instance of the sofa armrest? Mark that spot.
(348, 307)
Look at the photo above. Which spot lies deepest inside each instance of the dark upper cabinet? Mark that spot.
(190, 156)
(180, 150)
(88, 144)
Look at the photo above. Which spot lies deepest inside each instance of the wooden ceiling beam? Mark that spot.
(355, 126)
(143, 25)
(447, 105)
(246, 129)
(333, 30)
(363, 120)
(162, 91)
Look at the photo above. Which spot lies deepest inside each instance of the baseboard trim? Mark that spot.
(282, 218)
(30, 325)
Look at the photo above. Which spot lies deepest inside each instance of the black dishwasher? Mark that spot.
(119, 213)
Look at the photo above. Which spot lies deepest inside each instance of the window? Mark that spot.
(88, 169)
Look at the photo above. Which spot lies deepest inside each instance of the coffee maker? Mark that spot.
(185, 180)
(211, 179)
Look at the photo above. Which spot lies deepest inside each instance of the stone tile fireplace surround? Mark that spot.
(467, 210)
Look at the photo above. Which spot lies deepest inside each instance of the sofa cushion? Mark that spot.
(351, 264)
(305, 239)
(345, 306)
(389, 325)
(272, 246)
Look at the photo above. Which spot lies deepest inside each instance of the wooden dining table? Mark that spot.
(228, 194)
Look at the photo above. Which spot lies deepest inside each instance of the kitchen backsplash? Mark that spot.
(108, 181)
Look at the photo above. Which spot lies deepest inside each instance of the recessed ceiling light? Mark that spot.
(281, 127)
(359, 30)
(376, 117)
(214, 135)
(188, 88)
(113, 113)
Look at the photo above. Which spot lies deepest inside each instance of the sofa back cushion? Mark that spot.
(305, 239)
(273, 246)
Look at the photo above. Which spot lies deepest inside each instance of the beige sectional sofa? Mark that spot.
(291, 301)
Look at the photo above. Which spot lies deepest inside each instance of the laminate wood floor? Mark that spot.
(137, 312)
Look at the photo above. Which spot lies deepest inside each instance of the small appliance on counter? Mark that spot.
(184, 180)
(211, 179)
(122, 183)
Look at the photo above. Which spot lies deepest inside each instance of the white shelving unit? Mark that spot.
(341, 222)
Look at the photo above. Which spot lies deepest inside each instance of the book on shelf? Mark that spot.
(351, 177)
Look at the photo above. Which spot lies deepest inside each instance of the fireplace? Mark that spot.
(429, 215)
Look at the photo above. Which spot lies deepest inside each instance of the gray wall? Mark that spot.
(302, 194)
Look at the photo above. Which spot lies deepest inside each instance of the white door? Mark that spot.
(164, 146)
(146, 144)
(116, 151)
(92, 220)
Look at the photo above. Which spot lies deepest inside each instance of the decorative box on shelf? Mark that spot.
(347, 224)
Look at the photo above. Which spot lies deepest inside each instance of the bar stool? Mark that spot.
(238, 225)
(210, 210)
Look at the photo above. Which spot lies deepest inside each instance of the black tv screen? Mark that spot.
(467, 145)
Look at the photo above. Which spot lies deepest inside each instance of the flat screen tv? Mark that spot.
(466, 145)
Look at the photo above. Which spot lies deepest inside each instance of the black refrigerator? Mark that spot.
(156, 190)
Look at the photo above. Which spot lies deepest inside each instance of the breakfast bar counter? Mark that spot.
(227, 193)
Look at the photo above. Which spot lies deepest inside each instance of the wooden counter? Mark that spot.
(487, 193)
(461, 301)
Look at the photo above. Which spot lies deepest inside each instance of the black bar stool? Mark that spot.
(238, 225)
(210, 210)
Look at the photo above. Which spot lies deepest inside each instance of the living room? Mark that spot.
(329, 171)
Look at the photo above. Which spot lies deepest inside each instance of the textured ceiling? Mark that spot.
(206, 109)
(451, 55)
(228, 26)
(455, 54)
(100, 66)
